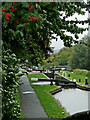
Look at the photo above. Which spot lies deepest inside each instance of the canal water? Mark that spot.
(73, 100)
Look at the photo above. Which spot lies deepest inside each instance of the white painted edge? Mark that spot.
(28, 92)
(34, 79)
(46, 76)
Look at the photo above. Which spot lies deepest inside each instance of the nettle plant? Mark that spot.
(10, 103)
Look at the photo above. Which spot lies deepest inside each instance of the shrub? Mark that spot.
(22, 72)
(10, 104)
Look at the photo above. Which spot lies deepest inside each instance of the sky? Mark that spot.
(59, 43)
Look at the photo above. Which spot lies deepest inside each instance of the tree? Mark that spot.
(85, 40)
(79, 57)
(62, 59)
(58, 59)
(28, 25)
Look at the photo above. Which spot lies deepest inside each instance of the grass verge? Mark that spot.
(52, 108)
(36, 75)
(18, 98)
(75, 76)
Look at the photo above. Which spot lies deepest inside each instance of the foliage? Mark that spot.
(79, 57)
(89, 76)
(29, 27)
(62, 60)
(74, 57)
(47, 63)
(81, 71)
(84, 40)
(20, 116)
(22, 72)
(58, 59)
(11, 107)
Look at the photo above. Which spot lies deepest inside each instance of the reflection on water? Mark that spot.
(73, 100)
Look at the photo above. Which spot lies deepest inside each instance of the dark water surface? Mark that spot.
(73, 100)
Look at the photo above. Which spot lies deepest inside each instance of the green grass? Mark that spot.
(52, 108)
(36, 75)
(76, 76)
(18, 98)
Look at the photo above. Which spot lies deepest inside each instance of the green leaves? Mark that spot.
(11, 108)
(76, 36)
(40, 21)
(20, 25)
(79, 57)
(21, 33)
(17, 31)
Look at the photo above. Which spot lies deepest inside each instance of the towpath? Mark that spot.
(30, 104)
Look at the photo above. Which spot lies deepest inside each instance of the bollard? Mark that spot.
(51, 82)
(57, 83)
(79, 80)
(62, 73)
(62, 113)
(86, 83)
(68, 75)
(65, 74)
(74, 80)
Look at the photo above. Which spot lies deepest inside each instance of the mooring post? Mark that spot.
(56, 83)
(68, 75)
(43, 69)
(74, 80)
(51, 82)
(53, 74)
(79, 80)
(86, 83)
(75, 84)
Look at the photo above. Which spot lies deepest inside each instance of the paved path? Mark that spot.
(30, 104)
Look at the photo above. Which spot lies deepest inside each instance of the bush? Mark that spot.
(81, 72)
(22, 72)
(10, 104)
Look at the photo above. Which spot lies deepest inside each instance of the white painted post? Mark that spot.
(74, 80)
(65, 74)
(62, 73)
